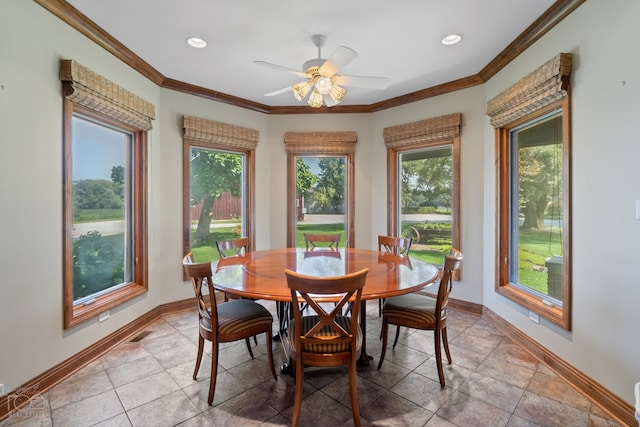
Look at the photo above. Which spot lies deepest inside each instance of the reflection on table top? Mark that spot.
(260, 274)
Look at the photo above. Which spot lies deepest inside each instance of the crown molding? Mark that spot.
(72, 16)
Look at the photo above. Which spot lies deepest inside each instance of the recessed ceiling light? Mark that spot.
(196, 42)
(451, 39)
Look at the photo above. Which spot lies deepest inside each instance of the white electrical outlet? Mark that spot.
(103, 316)
(534, 317)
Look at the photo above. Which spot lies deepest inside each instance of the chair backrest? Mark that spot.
(311, 240)
(452, 263)
(200, 275)
(233, 247)
(394, 245)
(314, 290)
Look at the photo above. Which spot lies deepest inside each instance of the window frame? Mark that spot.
(75, 314)
(560, 316)
(394, 182)
(320, 144)
(249, 186)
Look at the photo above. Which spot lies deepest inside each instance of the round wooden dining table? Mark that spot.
(260, 274)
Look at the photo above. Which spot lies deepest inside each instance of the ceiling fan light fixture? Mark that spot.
(324, 85)
(315, 100)
(337, 93)
(301, 90)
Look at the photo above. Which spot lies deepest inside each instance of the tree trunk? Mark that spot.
(541, 205)
(202, 231)
(533, 219)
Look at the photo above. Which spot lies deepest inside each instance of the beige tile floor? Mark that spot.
(492, 382)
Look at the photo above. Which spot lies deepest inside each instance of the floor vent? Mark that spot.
(140, 336)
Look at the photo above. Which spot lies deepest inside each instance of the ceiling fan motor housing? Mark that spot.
(313, 63)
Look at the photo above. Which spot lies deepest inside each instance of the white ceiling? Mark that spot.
(399, 40)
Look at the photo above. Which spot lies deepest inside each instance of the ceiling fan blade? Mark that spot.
(279, 91)
(281, 68)
(338, 59)
(328, 101)
(362, 81)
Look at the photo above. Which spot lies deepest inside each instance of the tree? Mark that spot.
(96, 194)
(213, 173)
(98, 263)
(305, 179)
(427, 182)
(117, 174)
(117, 177)
(328, 194)
(538, 176)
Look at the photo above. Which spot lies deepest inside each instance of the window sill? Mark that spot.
(82, 312)
(553, 313)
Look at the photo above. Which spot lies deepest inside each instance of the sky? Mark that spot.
(96, 149)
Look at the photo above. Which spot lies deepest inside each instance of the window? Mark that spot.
(320, 177)
(533, 147)
(105, 232)
(218, 168)
(320, 204)
(424, 174)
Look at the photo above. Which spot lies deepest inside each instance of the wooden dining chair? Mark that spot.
(394, 245)
(322, 241)
(232, 247)
(224, 322)
(389, 245)
(420, 311)
(325, 338)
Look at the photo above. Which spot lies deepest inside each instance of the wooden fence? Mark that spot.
(224, 207)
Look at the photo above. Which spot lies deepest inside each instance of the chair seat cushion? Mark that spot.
(329, 347)
(238, 315)
(413, 307)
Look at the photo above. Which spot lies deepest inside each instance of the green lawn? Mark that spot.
(320, 229)
(93, 215)
(535, 247)
(208, 251)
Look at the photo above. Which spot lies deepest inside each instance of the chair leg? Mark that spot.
(353, 394)
(255, 339)
(214, 372)
(439, 356)
(199, 356)
(383, 333)
(395, 341)
(445, 341)
(267, 336)
(249, 346)
(297, 404)
(380, 303)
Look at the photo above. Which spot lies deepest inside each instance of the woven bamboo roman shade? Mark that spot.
(547, 84)
(337, 143)
(213, 132)
(85, 87)
(435, 129)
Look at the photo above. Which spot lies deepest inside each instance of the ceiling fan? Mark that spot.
(321, 76)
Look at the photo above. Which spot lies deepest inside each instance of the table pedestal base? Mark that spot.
(364, 360)
(286, 369)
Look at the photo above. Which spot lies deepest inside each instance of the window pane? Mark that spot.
(320, 202)
(101, 174)
(217, 199)
(426, 201)
(536, 246)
